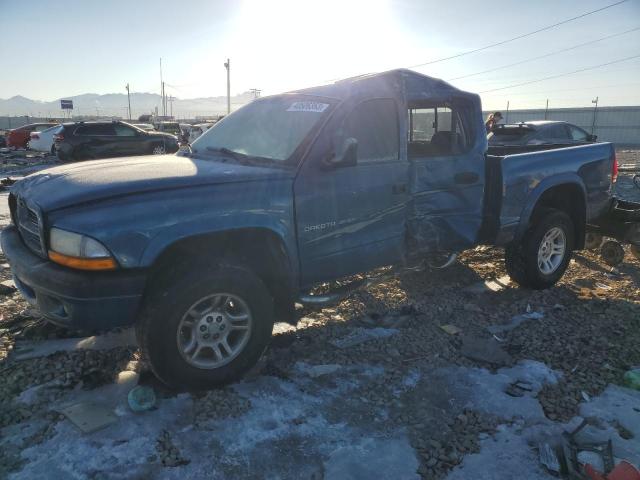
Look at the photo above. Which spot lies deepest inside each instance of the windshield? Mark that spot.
(270, 128)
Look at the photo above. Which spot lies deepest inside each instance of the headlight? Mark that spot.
(78, 251)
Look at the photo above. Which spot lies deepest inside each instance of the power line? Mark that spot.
(545, 55)
(549, 27)
(561, 74)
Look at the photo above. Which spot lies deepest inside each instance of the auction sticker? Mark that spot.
(308, 107)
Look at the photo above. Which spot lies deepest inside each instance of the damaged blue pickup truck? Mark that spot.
(204, 250)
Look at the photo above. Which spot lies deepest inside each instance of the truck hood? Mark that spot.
(77, 183)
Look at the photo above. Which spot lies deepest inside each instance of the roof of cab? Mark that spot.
(413, 86)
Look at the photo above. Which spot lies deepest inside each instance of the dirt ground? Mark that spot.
(374, 384)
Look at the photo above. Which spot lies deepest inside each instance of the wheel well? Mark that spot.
(568, 198)
(258, 248)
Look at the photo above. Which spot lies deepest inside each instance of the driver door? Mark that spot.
(351, 218)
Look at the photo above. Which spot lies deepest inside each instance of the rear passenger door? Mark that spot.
(94, 140)
(127, 141)
(447, 178)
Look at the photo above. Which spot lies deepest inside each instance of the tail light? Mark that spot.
(57, 138)
(614, 169)
(35, 136)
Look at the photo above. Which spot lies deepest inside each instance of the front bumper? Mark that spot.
(73, 298)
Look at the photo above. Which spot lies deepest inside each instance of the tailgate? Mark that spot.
(621, 222)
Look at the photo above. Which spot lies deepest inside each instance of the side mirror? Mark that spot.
(347, 157)
(592, 138)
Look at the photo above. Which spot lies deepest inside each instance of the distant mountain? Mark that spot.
(115, 104)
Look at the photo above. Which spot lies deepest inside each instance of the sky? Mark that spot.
(56, 49)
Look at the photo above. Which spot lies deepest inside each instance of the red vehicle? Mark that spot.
(18, 137)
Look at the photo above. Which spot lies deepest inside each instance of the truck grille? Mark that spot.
(28, 222)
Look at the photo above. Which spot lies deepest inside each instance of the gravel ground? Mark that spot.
(371, 359)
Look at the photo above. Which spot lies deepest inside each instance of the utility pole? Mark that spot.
(227, 65)
(506, 118)
(164, 102)
(161, 85)
(546, 109)
(129, 101)
(595, 112)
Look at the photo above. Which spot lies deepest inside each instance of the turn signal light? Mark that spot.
(83, 263)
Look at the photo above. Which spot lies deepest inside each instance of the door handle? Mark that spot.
(399, 188)
(466, 178)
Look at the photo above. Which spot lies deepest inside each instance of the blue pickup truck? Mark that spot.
(204, 250)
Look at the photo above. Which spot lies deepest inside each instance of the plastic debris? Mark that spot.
(516, 321)
(548, 457)
(451, 329)
(316, 371)
(632, 378)
(485, 350)
(141, 398)
(89, 417)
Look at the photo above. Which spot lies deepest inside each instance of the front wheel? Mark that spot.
(543, 254)
(205, 326)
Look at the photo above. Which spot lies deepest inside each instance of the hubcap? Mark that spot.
(214, 330)
(158, 150)
(551, 251)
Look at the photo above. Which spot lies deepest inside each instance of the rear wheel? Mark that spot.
(543, 255)
(206, 325)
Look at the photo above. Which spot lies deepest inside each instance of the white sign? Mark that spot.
(316, 107)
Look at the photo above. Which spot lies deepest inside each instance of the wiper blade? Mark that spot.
(239, 157)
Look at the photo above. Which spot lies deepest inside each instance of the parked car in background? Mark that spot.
(19, 137)
(198, 130)
(3, 139)
(169, 127)
(91, 140)
(147, 127)
(506, 139)
(44, 141)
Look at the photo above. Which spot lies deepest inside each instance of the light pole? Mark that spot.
(129, 100)
(595, 111)
(227, 65)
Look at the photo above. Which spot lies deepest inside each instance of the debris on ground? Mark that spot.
(485, 350)
(141, 398)
(451, 329)
(89, 417)
(360, 335)
(515, 322)
(549, 458)
(632, 378)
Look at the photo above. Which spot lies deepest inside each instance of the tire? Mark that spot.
(53, 150)
(162, 335)
(522, 259)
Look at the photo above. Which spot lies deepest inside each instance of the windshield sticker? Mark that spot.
(308, 107)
